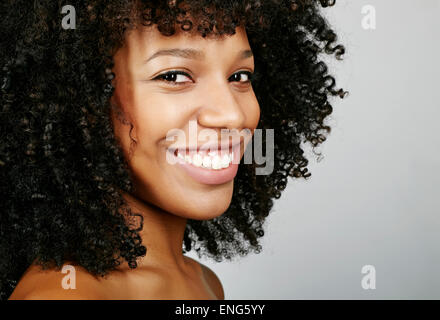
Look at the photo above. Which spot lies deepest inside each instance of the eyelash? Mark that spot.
(162, 76)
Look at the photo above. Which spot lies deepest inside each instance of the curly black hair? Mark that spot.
(61, 168)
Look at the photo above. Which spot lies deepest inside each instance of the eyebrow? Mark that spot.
(189, 53)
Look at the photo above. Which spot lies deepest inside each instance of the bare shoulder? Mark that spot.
(71, 282)
(213, 281)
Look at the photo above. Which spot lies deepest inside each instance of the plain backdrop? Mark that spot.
(374, 197)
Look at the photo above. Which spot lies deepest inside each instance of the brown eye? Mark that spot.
(171, 77)
(238, 76)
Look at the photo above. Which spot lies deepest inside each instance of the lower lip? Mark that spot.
(211, 176)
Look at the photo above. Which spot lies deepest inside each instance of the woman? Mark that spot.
(86, 114)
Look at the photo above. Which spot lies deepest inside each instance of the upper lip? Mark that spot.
(209, 146)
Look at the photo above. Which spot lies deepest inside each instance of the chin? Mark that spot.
(209, 206)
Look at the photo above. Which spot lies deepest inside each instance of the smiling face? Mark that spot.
(209, 89)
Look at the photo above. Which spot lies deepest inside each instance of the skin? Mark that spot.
(164, 194)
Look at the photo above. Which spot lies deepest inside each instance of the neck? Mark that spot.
(162, 234)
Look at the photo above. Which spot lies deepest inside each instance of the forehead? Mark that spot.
(148, 40)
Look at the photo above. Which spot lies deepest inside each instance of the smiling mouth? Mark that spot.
(213, 160)
(212, 167)
(210, 157)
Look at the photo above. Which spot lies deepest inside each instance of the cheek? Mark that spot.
(154, 117)
(252, 111)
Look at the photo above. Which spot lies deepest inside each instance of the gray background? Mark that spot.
(373, 199)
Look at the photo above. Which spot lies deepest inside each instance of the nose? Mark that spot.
(221, 108)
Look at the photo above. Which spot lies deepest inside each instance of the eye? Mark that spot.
(171, 77)
(237, 76)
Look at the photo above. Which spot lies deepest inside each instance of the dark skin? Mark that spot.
(165, 196)
(151, 283)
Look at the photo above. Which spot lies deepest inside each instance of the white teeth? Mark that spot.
(197, 160)
(225, 161)
(211, 161)
(217, 163)
(206, 162)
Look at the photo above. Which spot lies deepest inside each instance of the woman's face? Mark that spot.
(210, 92)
